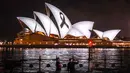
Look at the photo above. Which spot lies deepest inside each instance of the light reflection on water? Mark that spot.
(98, 55)
(51, 53)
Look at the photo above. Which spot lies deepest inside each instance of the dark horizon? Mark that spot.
(107, 14)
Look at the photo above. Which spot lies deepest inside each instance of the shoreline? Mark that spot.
(61, 46)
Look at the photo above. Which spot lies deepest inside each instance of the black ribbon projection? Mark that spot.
(63, 20)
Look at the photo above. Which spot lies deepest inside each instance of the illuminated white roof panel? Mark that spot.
(47, 23)
(53, 29)
(64, 24)
(75, 32)
(111, 34)
(31, 24)
(87, 33)
(99, 33)
(84, 27)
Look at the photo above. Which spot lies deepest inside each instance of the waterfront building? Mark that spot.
(56, 28)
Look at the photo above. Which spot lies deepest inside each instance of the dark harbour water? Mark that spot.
(94, 60)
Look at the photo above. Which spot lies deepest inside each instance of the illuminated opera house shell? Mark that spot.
(61, 25)
(110, 34)
(84, 27)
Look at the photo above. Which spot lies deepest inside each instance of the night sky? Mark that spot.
(107, 14)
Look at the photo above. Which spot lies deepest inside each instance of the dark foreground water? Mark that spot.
(93, 60)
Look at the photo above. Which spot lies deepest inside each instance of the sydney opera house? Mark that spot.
(54, 28)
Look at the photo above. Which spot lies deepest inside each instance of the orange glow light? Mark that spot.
(90, 43)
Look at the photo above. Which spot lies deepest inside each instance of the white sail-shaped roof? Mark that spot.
(84, 27)
(47, 23)
(75, 32)
(63, 23)
(111, 34)
(99, 33)
(31, 24)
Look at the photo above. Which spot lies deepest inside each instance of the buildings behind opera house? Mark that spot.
(54, 27)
